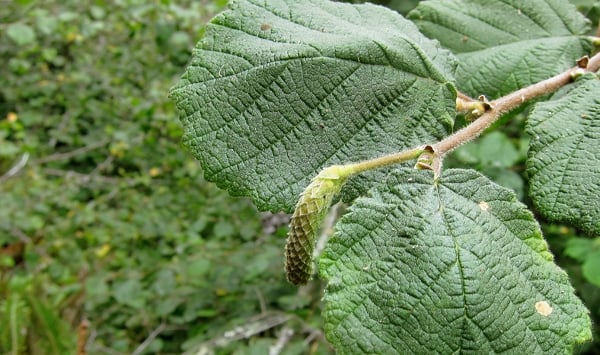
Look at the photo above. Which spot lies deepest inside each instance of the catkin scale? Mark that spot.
(306, 221)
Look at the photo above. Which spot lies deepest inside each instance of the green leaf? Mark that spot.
(590, 268)
(494, 149)
(579, 248)
(278, 90)
(129, 293)
(20, 33)
(15, 316)
(587, 252)
(504, 45)
(494, 155)
(58, 337)
(507, 178)
(454, 266)
(198, 268)
(564, 156)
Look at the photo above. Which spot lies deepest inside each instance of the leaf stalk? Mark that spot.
(386, 160)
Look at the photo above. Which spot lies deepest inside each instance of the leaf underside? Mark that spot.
(564, 156)
(278, 90)
(504, 45)
(455, 266)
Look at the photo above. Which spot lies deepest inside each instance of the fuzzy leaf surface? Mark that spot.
(277, 90)
(457, 266)
(564, 156)
(504, 45)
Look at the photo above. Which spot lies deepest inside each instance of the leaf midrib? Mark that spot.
(458, 248)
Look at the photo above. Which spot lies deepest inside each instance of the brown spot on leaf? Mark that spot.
(543, 308)
(265, 27)
(484, 206)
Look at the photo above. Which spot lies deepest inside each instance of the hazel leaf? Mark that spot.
(278, 90)
(450, 266)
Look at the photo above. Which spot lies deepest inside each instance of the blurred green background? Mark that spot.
(110, 239)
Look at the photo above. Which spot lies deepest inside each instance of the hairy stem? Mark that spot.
(510, 102)
(400, 157)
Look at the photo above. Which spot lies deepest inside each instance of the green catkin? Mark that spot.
(306, 221)
(313, 205)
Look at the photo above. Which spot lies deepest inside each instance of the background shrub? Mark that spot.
(109, 219)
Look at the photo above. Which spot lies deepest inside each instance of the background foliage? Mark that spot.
(110, 219)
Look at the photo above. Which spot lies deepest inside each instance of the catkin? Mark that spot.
(306, 221)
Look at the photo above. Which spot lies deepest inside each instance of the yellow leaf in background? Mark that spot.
(153, 172)
(12, 117)
(564, 230)
(71, 37)
(221, 292)
(118, 149)
(103, 251)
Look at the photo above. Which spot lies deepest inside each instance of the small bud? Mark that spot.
(426, 160)
(583, 62)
